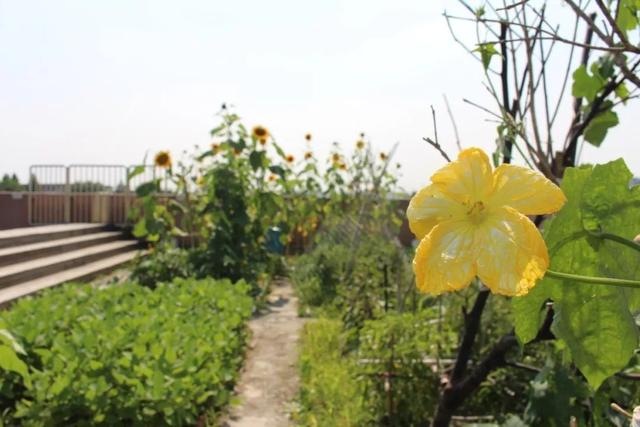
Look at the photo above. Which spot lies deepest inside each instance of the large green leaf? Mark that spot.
(611, 206)
(594, 320)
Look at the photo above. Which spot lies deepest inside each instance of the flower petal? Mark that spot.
(512, 255)
(525, 190)
(467, 179)
(444, 259)
(428, 208)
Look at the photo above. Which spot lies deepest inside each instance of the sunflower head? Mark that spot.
(360, 144)
(308, 137)
(290, 158)
(342, 166)
(335, 157)
(272, 177)
(383, 156)
(163, 159)
(308, 155)
(260, 132)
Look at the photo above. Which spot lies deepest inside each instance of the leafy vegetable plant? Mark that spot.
(126, 354)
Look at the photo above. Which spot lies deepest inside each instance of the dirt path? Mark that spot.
(269, 381)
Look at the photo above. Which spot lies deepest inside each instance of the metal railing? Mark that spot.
(61, 194)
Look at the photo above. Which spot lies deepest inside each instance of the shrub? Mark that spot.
(397, 360)
(128, 355)
(330, 396)
(361, 281)
(162, 264)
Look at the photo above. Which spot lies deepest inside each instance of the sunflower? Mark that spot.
(290, 158)
(383, 156)
(342, 166)
(260, 132)
(272, 178)
(308, 155)
(308, 137)
(335, 157)
(360, 144)
(472, 222)
(163, 159)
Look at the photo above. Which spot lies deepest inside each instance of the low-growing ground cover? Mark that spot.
(126, 354)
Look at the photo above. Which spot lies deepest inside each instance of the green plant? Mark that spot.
(161, 264)
(330, 396)
(128, 355)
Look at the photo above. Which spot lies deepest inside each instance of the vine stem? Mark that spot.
(608, 281)
(614, 237)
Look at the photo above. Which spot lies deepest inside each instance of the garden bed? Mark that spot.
(126, 354)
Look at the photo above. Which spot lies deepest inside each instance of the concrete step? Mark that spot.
(17, 254)
(28, 235)
(33, 269)
(83, 272)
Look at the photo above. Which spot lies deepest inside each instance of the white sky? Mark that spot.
(106, 81)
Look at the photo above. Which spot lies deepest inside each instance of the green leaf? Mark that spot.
(622, 92)
(487, 51)
(9, 361)
(610, 206)
(596, 130)
(552, 398)
(218, 129)
(147, 188)
(529, 312)
(140, 229)
(278, 170)
(136, 171)
(627, 18)
(256, 159)
(593, 320)
(585, 85)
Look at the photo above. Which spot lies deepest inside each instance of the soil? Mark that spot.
(269, 382)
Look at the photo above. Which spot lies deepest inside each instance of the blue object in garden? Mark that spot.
(274, 244)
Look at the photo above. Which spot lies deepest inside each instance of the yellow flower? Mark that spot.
(383, 156)
(272, 178)
(163, 159)
(260, 132)
(308, 137)
(360, 144)
(308, 155)
(335, 157)
(342, 166)
(290, 158)
(471, 222)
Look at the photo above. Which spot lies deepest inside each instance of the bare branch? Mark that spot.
(453, 122)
